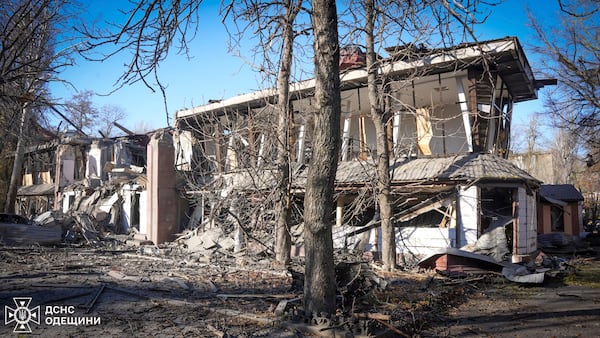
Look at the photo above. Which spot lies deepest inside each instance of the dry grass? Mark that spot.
(587, 274)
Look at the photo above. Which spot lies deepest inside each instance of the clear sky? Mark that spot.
(213, 73)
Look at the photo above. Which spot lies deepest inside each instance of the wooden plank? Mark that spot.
(369, 315)
(91, 304)
(393, 328)
(424, 131)
(281, 307)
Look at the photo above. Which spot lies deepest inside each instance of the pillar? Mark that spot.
(161, 193)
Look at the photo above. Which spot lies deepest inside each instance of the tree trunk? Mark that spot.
(319, 284)
(15, 177)
(282, 208)
(388, 239)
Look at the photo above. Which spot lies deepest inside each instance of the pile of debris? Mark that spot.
(76, 227)
(211, 243)
(52, 228)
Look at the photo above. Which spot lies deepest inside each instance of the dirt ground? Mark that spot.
(142, 292)
(559, 308)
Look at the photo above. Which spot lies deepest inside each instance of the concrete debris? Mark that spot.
(56, 227)
(210, 243)
(237, 296)
(523, 276)
(493, 242)
(536, 270)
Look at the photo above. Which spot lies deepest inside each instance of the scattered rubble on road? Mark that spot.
(199, 285)
(203, 289)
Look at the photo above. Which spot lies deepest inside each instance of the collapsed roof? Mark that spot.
(506, 56)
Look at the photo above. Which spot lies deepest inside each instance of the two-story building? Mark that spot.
(449, 116)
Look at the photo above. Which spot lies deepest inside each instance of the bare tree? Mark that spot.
(283, 241)
(319, 286)
(564, 154)
(142, 127)
(28, 60)
(570, 52)
(532, 134)
(107, 116)
(380, 118)
(149, 30)
(81, 111)
(273, 27)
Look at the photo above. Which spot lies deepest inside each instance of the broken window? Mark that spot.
(495, 203)
(497, 206)
(430, 219)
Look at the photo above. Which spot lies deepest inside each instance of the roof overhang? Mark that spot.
(506, 56)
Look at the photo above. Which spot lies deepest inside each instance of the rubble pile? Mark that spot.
(167, 289)
(76, 227)
(219, 278)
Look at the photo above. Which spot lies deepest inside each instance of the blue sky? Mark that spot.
(213, 73)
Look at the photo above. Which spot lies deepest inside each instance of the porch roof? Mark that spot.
(434, 174)
(461, 167)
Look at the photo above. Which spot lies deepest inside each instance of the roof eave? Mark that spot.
(438, 62)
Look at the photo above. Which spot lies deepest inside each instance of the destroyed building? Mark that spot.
(450, 114)
(124, 183)
(449, 117)
(62, 169)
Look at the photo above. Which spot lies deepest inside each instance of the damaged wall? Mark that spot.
(420, 241)
(162, 195)
(443, 113)
(98, 156)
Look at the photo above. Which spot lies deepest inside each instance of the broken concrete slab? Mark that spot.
(207, 241)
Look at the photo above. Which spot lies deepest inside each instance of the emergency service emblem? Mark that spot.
(21, 315)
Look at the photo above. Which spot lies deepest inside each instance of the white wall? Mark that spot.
(468, 219)
(422, 241)
(94, 165)
(127, 194)
(183, 142)
(66, 196)
(143, 213)
(526, 223)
